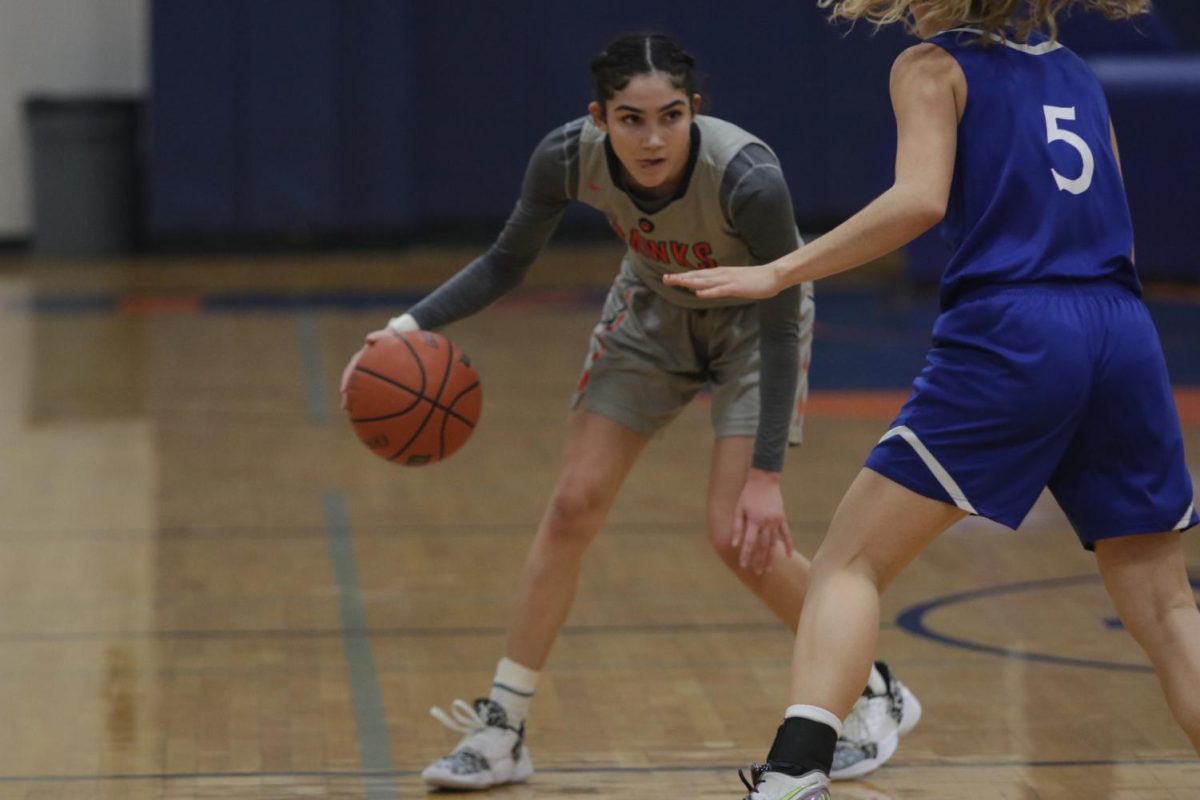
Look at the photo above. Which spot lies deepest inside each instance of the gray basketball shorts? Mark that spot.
(648, 358)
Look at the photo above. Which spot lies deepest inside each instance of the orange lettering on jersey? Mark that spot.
(658, 251)
(702, 251)
(635, 240)
(679, 251)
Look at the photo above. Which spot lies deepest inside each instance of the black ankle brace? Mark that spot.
(801, 746)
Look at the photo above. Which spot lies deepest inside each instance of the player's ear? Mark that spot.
(697, 104)
(597, 112)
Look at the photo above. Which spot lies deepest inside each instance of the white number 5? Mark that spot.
(1056, 134)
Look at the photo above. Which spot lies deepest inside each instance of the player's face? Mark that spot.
(649, 124)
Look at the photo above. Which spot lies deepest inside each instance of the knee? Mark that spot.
(829, 563)
(722, 543)
(720, 536)
(575, 513)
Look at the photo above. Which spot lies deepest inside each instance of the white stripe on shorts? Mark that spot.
(1187, 518)
(943, 477)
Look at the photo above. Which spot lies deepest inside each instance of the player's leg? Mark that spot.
(1147, 579)
(877, 529)
(623, 396)
(734, 338)
(597, 456)
(782, 587)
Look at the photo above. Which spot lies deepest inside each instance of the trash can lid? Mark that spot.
(82, 102)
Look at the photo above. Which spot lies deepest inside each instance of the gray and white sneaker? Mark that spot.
(767, 784)
(872, 731)
(491, 753)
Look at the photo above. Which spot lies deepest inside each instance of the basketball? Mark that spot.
(414, 398)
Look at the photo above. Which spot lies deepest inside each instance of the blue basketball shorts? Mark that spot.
(1046, 385)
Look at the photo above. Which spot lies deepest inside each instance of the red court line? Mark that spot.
(1188, 401)
(859, 404)
(883, 404)
(159, 304)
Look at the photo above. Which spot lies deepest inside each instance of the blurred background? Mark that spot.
(263, 123)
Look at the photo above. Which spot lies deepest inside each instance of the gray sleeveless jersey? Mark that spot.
(690, 232)
(733, 208)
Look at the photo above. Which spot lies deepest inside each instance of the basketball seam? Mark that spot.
(441, 389)
(433, 402)
(449, 413)
(424, 383)
(420, 397)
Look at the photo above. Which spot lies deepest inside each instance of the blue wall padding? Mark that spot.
(298, 119)
(1155, 106)
(282, 118)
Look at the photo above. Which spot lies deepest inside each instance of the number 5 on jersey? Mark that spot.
(1056, 134)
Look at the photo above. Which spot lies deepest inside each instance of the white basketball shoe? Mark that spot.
(766, 784)
(491, 752)
(872, 731)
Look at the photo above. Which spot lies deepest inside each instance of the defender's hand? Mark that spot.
(755, 283)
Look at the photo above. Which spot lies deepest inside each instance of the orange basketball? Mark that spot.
(414, 398)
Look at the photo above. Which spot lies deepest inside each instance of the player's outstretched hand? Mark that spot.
(759, 522)
(755, 283)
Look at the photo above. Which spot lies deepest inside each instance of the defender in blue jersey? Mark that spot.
(1045, 368)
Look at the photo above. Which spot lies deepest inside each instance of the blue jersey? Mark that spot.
(1037, 195)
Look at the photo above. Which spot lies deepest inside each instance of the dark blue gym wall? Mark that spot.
(327, 119)
(285, 118)
(318, 117)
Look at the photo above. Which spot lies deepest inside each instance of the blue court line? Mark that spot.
(374, 745)
(600, 770)
(912, 620)
(315, 395)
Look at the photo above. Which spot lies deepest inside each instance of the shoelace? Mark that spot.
(756, 772)
(463, 718)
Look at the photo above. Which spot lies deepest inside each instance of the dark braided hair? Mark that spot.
(635, 54)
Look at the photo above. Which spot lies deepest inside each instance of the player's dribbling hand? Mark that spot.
(759, 522)
(755, 283)
(395, 327)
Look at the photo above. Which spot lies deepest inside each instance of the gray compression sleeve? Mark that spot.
(506, 263)
(759, 207)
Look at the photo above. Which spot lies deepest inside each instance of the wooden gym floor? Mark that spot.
(211, 589)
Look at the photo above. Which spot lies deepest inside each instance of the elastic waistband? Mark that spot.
(1101, 286)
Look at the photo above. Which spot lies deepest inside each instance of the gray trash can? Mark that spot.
(86, 176)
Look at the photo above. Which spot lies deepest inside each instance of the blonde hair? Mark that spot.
(1003, 18)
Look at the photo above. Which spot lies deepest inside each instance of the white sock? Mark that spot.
(876, 682)
(513, 688)
(816, 714)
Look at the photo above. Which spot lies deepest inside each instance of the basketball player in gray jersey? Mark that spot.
(684, 192)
